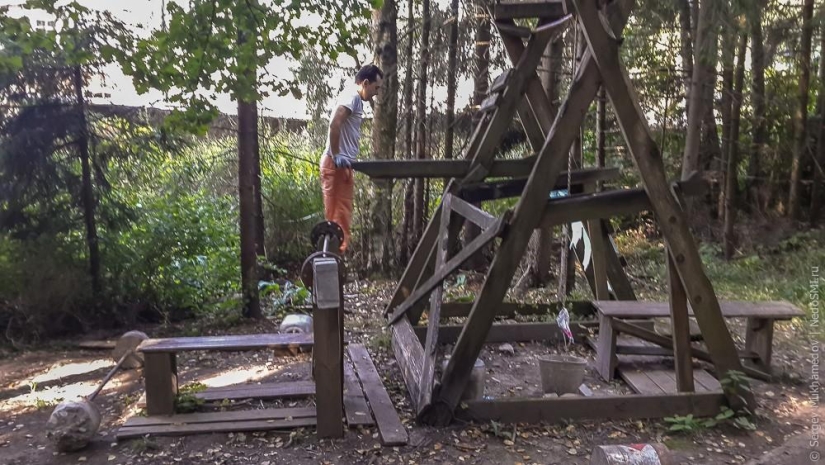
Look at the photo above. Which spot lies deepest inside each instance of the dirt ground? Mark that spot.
(31, 383)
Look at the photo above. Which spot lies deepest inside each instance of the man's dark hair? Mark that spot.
(368, 72)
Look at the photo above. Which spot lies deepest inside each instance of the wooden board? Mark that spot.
(355, 404)
(730, 309)
(655, 379)
(182, 429)
(390, 429)
(566, 409)
(409, 353)
(511, 309)
(513, 332)
(328, 371)
(221, 417)
(241, 342)
(492, 190)
(412, 169)
(295, 389)
(550, 9)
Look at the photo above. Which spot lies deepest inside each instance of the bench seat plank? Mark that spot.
(239, 342)
(777, 310)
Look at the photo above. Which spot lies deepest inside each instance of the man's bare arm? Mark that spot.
(341, 115)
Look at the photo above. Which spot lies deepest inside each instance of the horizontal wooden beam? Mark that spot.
(471, 213)
(382, 169)
(513, 332)
(550, 9)
(511, 309)
(607, 204)
(512, 188)
(522, 410)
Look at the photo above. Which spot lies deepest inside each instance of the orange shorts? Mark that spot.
(338, 185)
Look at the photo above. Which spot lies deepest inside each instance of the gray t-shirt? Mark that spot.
(351, 129)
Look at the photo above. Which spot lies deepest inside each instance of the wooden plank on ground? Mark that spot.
(707, 381)
(661, 378)
(206, 428)
(671, 218)
(730, 309)
(636, 377)
(238, 342)
(222, 417)
(409, 353)
(569, 409)
(390, 429)
(274, 390)
(355, 404)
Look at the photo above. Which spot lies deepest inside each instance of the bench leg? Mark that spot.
(759, 340)
(606, 360)
(329, 361)
(160, 373)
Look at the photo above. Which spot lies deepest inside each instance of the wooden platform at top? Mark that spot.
(549, 9)
(229, 343)
(730, 309)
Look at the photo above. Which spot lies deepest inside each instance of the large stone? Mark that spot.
(129, 342)
(72, 425)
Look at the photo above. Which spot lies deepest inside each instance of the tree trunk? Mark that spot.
(452, 71)
(481, 84)
(758, 102)
(727, 101)
(247, 140)
(701, 78)
(819, 162)
(801, 117)
(686, 39)
(87, 195)
(260, 229)
(409, 204)
(421, 118)
(385, 125)
(731, 178)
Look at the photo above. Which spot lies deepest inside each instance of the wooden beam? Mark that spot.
(387, 169)
(472, 213)
(516, 410)
(671, 218)
(409, 354)
(511, 309)
(551, 10)
(426, 384)
(680, 329)
(406, 285)
(598, 254)
(514, 332)
(666, 342)
(424, 290)
(622, 289)
(526, 218)
(390, 429)
(493, 190)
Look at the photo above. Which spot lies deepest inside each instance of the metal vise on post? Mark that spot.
(323, 273)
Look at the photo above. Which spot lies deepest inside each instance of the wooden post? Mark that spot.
(527, 215)
(670, 216)
(598, 255)
(680, 323)
(328, 348)
(759, 340)
(161, 378)
(606, 360)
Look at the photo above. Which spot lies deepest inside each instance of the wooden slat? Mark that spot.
(599, 407)
(513, 332)
(240, 342)
(662, 380)
(707, 381)
(472, 213)
(483, 239)
(511, 309)
(526, 218)
(390, 429)
(221, 417)
(551, 9)
(730, 309)
(204, 428)
(638, 380)
(294, 389)
(426, 385)
(409, 353)
(407, 283)
(355, 404)
(493, 190)
(384, 169)
(680, 329)
(671, 218)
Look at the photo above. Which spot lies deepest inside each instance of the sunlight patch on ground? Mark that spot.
(60, 371)
(239, 376)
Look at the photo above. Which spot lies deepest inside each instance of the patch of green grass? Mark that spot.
(382, 340)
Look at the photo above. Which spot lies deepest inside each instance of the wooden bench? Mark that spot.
(160, 361)
(758, 338)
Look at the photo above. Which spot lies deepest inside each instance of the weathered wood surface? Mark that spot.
(552, 9)
(355, 404)
(390, 429)
(241, 342)
(586, 408)
(409, 353)
(160, 377)
(272, 390)
(273, 419)
(511, 309)
(470, 212)
(730, 309)
(513, 332)
(659, 380)
(410, 169)
(493, 190)
(328, 360)
(680, 329)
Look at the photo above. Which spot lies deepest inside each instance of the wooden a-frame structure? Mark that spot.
(519, 92)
